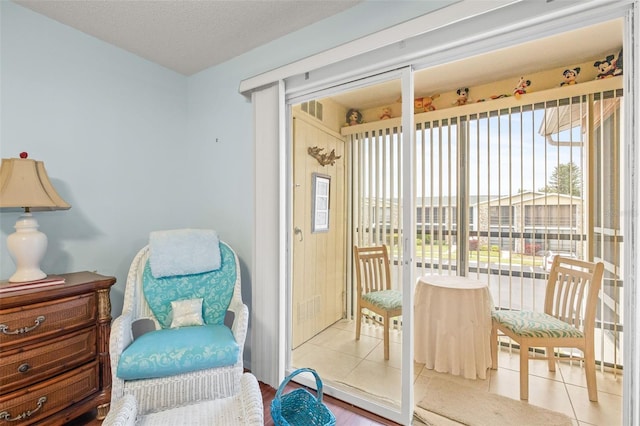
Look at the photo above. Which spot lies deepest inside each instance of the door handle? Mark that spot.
(297, 231)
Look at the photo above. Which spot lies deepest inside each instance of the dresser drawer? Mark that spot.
(40, 361)
(46, 398)
(19, 326)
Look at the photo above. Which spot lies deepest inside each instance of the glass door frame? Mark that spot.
(405, 76)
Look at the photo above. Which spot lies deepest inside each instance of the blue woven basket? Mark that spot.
(299, 407)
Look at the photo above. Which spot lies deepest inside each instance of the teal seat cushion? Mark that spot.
(385, 299)
(534, 324)
(172, 351)
(215, 288)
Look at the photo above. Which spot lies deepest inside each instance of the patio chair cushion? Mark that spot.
(173, 351)
(214, 287)
(385, 299)
(535, 324)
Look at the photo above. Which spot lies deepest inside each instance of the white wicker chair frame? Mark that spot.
(159, 394)
(243, 409)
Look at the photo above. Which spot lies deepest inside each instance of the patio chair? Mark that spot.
(188, 353)
(568, 320)
(376, 300)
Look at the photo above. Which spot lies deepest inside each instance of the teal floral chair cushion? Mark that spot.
(214, 287)
(534, 324)
(173, 351)
(385, 299)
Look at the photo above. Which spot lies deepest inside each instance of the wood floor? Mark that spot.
(346, 414)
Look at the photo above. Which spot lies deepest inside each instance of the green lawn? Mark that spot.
(446, 252)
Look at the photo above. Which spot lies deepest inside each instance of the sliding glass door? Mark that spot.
(340, 184)
(491, 190)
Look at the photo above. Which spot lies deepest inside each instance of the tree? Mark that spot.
(565, 179)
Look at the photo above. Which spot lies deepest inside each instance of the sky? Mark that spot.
(507, 154)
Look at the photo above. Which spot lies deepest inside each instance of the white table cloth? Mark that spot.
(453, 325)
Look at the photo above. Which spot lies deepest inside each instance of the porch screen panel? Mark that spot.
(608, 180)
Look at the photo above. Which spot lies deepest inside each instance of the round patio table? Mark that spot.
(453, 325)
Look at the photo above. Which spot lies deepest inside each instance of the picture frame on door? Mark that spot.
(321, 187)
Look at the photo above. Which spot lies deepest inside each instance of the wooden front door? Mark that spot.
(319, 263)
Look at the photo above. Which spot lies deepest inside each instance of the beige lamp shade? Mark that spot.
(24, 183)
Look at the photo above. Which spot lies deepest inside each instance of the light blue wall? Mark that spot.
(110, 128)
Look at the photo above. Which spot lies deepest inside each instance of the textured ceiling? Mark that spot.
(183, 35)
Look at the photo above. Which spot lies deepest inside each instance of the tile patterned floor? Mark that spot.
(360, 366)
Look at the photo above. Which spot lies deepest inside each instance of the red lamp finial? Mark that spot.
(24, 154)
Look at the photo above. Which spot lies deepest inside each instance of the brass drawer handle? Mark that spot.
(5, 328)
(24, 368)
(6, 416)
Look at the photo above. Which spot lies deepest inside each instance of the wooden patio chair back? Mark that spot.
(376, 299)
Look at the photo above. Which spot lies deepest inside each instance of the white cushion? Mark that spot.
(186, 313)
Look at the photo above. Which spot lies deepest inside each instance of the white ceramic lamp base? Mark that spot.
(27, 247)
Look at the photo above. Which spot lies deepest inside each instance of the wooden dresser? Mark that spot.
(54, 351)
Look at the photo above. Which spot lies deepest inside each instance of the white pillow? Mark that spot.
(186, 312)
(183, 252)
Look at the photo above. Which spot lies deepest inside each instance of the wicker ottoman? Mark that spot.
(242, 409)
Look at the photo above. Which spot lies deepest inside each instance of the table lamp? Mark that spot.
(24, 184)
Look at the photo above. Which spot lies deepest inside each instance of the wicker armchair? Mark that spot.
(161, 392)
